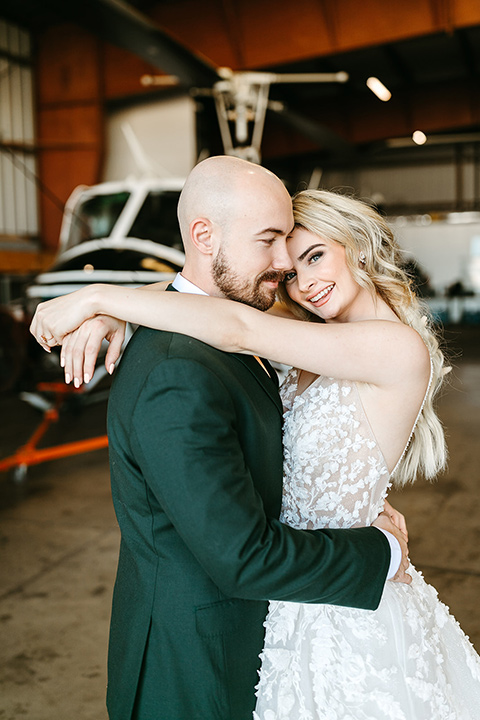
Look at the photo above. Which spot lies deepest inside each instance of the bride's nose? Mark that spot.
(305, 281)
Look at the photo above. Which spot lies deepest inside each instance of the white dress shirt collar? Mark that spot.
(183, 285)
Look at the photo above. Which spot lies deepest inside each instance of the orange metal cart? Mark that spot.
(30, 454)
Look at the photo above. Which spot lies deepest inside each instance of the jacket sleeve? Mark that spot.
(185, 437)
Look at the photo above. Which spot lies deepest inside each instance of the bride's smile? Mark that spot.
(323, 296)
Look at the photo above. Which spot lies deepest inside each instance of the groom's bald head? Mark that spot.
(221, 187)
(227, 207)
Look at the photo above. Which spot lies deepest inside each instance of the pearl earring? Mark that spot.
(362, 258)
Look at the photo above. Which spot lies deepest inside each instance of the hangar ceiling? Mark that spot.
(427, 53)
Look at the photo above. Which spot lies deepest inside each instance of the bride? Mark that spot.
(359, 417)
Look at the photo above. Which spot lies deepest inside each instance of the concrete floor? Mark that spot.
(59, 544)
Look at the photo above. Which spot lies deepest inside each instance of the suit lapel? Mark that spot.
(269, 384)
(271, 371)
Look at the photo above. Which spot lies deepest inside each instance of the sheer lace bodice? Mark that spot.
(334, 472)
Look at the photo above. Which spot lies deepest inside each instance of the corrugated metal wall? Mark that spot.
(18, 193)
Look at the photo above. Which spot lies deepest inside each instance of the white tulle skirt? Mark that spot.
(408, 660)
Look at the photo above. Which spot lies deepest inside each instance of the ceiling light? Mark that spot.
(378, 89)
(419, 137)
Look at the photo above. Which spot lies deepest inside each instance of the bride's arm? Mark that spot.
(371, 351)
(56, 318)
(80, 347)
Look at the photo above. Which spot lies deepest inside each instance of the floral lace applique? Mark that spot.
(408, 660)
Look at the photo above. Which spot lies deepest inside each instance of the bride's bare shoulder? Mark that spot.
(409, 349)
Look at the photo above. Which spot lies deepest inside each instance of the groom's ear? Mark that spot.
(201, 235)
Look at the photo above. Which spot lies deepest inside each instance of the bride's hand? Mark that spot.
(56, 318)
(81, 347)
(397, 518)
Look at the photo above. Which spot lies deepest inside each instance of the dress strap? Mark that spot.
(416, 420)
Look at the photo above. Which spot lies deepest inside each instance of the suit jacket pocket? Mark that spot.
(221, 618)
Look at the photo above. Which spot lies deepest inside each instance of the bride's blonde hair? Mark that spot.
(374, 259)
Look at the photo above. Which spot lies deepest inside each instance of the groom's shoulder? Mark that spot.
(161, 346)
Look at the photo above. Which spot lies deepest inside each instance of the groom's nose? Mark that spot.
(281, 259)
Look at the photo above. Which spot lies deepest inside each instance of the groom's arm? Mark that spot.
(185, 437)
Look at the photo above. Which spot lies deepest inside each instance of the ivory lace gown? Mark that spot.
(409, 659)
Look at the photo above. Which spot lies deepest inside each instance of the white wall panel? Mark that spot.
(165, 133)
(433, 184)
(400, 186)
(443, 249)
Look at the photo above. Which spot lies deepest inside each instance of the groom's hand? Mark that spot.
(384, 522)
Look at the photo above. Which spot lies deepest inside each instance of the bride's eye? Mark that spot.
(290, 276)
(315, 256)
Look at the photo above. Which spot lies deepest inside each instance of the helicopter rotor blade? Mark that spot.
(121, 24)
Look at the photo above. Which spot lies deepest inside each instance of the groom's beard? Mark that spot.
(250, 292)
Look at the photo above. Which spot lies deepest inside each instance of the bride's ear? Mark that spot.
(201, 235)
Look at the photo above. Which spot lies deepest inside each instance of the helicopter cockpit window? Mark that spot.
(96, 217)
(157, 219)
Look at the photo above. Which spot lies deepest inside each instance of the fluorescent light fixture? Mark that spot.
(419, 137)
(456, 138)
(378, 89)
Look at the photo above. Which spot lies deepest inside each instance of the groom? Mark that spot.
(196, 465)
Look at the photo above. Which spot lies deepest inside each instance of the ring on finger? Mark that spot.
(45, 339)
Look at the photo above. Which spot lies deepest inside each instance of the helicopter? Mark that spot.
(123, 232)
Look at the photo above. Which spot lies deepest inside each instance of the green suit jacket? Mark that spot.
(196, 467)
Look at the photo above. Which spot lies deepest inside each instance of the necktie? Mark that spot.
(261, 363)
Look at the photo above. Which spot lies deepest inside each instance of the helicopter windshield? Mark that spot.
(157, 219)
(96, 217)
